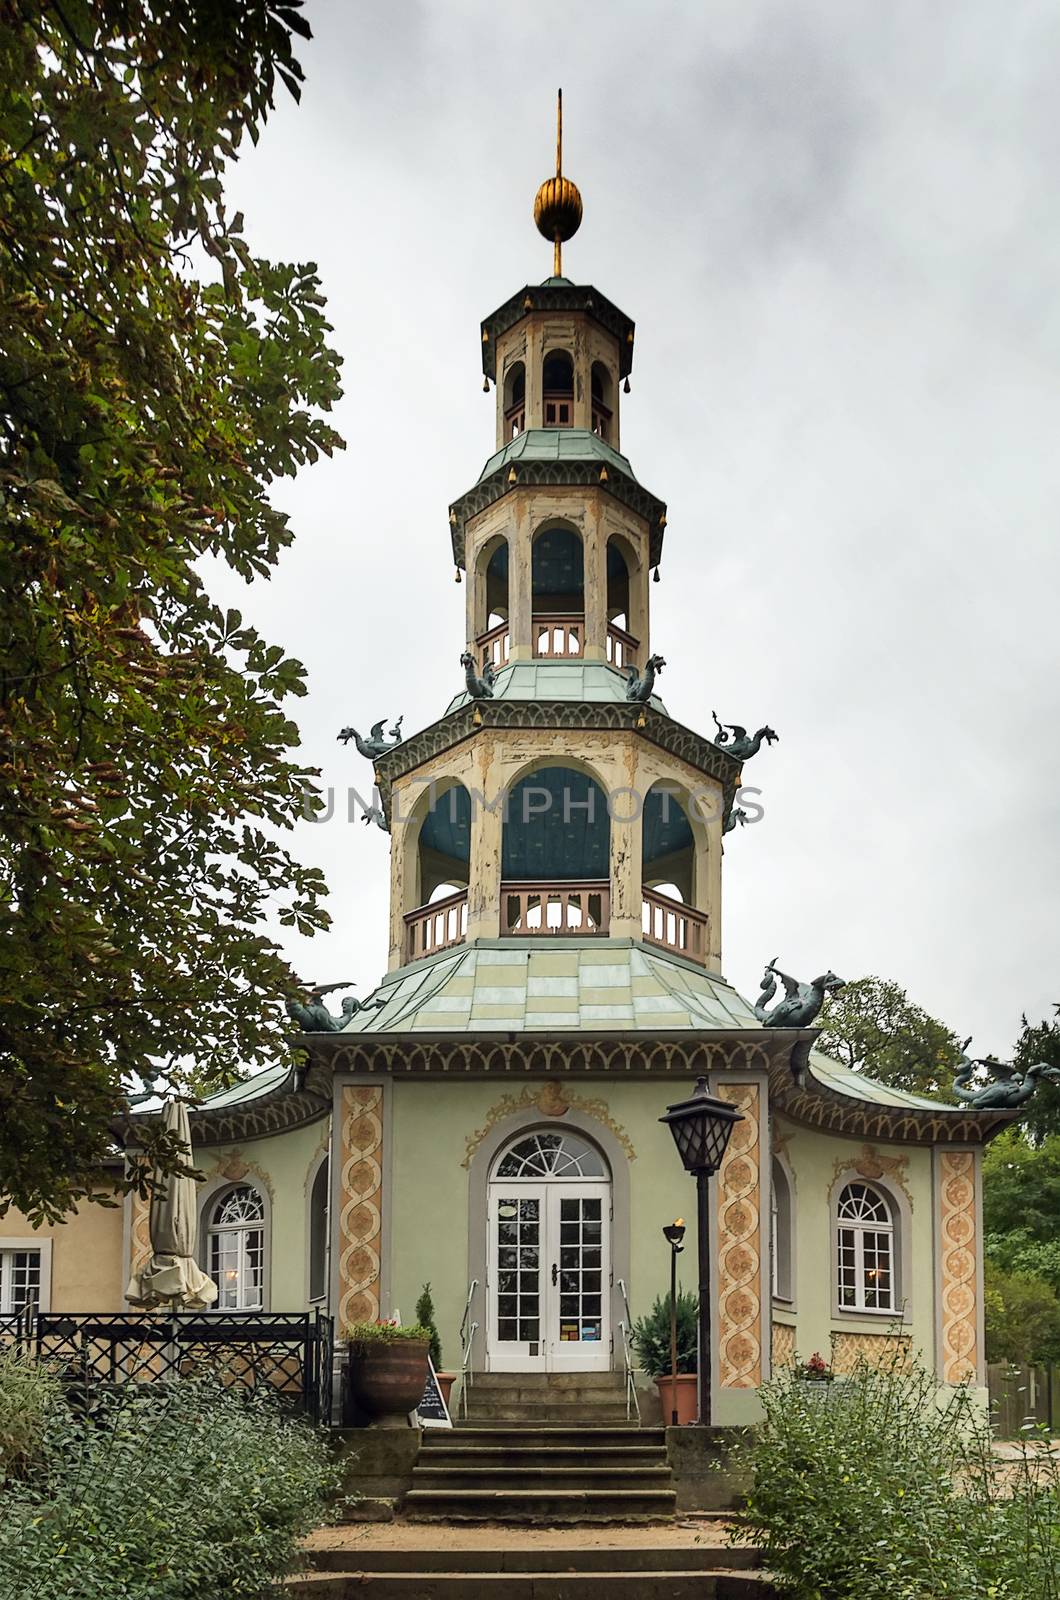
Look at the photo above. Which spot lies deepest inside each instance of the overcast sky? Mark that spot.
(836, 226)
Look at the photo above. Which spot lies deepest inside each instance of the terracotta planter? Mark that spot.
(687, 1403)
(445, 1384)
(386, 1378)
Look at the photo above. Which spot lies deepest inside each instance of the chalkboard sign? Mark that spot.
(432, 1411)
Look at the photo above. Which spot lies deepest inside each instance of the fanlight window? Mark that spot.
(237, 1250)
(551, 1155)
(866, 1250)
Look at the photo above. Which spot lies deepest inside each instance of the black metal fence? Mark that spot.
(288, 1353)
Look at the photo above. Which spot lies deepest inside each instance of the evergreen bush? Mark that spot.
(180, 1491)
(425, 1316)
(651, 1335)
(26, 1391)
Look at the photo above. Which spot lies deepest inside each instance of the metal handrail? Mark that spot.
(626, 1326)
(467, 1341)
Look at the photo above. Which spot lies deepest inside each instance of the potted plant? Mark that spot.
(651, 1338)
(814, 1375)
(386, 1372)
(425, 1318)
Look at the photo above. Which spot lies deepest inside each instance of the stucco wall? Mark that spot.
(86, 1266)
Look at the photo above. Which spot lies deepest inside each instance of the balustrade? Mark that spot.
(559, 638)
(495, 646)
(673, 925)
(436, 926)
(621, 647)
(578, 906)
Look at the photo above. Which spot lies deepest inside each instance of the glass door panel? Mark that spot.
(517, 1277)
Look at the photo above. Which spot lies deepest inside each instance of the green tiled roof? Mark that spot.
(248, 1088)
(846, 1081)
(557, 444)
(578, 681)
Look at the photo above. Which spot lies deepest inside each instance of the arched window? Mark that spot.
(668, 849)
(437, 866)
(602, 393)
(782, 1235)
(514, 401)
(557, 382)
(866, 1253)
(236, 1249)
(551, 1155)
(557, 584)
(319, 1208)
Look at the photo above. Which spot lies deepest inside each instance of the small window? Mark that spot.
(319, 1206)
(236, 1250)
(551, 1155)
(20, 1281)
(865, 1250)
(782, 1233)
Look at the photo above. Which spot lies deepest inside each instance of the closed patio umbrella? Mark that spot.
(173, 1278)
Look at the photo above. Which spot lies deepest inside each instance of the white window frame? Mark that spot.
(43, 1247)
(860, 1229)
(241, 1230)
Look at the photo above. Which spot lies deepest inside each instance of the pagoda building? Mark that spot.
(489, 1120)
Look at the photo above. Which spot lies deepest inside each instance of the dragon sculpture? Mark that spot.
(478, 688)
(736, 741)
(316, 1018)
(375, 745)
(736, 817)
(1010, 1088)
(802, 1002)
(641, 688)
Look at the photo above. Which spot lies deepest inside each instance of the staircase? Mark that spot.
(546, 1448)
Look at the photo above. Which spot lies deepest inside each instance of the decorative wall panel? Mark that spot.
(876, 1349)
(360, 1203)
(739, 1202)
(783, 1345)
(958, 1256)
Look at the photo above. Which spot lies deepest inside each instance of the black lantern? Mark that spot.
(701, 1126)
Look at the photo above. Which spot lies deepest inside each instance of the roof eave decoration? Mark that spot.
(536, 474)
(302, 1097)
(815, 1104)
(557, 297)
(591, 716)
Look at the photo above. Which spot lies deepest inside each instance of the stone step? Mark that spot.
(539, 1505)
(706, 1556)
(493, 1437)
(671, 1583)
(510, 1452)
(481, 1412)
(585, 1394)
(545, 1479)
(558, 1381)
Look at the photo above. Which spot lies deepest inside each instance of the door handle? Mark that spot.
(555, 1274)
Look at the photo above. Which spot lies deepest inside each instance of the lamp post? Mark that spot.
(674, 1235)
(701, 1126)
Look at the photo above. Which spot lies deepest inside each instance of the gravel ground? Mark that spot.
(686, 1532)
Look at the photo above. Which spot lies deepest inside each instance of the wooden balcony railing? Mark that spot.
(495, 644)
(557, 637)
(673, 925)
(621, 647)
(601, 420)
(514, 421)
(558, 408)
(436, 926)
(556, 909)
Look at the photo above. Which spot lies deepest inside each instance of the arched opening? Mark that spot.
(557, 384)
(439, 869)
(669, 914)
(319, 1207)
(549, 1207)
(782, 1233)
(556, 855)
(603, 391)
(623, 610)
(557, 580)
(491, 622)
(235, 1248)
(514, 401)
(866, 1254)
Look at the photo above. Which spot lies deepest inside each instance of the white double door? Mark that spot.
(549, 1276)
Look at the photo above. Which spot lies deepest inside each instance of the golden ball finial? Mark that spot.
(558, 209)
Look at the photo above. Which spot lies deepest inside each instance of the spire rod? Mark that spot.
(558, 206)
(557, 241)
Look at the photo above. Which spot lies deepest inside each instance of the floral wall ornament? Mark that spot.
(551, 1099)
(870, 1164)
(234, 1166)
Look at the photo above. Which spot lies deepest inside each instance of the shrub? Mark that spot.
(26, 1391)
(425, 1317)
(182, 1491)
(651, 1335)
(877, 1488)
(383, 1332)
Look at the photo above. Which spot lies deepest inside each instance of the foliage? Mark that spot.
(425, 1317)
(1022, 1315)
(874, 1490)
(1040, 1042)
(873, 1026)
(156, 379)
(1021, 1190)
(651, 1335)
(384, 1332)
(26, 1392)
(183, 1491)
